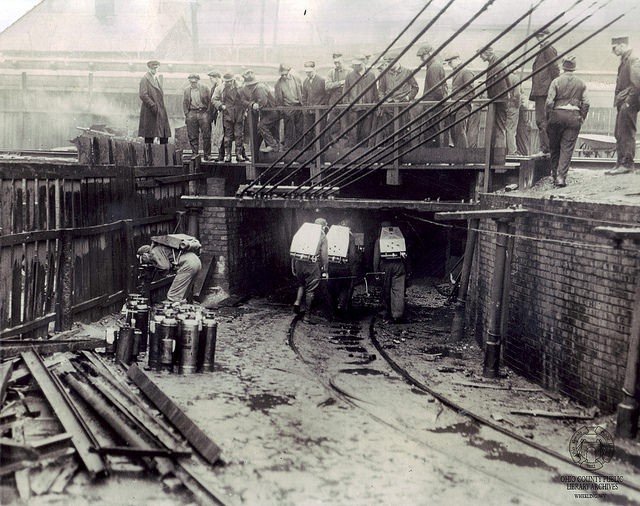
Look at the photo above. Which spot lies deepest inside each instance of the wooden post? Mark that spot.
(317, 167)
(64, 301)
(489, 133)
(25, 110)
(251, 170)
(458, 322)
(393, 175)
(129, 256)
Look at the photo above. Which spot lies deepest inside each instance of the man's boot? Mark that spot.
(239, 156)
(227, 151)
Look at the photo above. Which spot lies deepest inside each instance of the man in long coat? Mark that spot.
(154, 121)
(627, 102)
(228, 101)
(546, 69)
(356, 82)
(313, 93)
(497, 83)
(434, 89)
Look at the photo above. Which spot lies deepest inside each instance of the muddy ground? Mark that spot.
(359, 412)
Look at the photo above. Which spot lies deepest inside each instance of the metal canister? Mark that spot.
(208, 338)
(142, 323)
(166, 343)
(156, 333)
(137, 342)
(124, 349)
(110, 340)
(188, 346)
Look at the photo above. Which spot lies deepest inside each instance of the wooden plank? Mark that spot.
(22, 475)
(485, 213)
(58, 400)
(65, 477)
(207, 259)
(6, 370)
(13, 348)
(158, 155)
(209, 450)
(27, 237)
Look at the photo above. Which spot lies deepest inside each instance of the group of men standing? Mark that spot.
(560, 102)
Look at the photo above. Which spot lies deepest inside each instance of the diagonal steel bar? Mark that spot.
(62, 406)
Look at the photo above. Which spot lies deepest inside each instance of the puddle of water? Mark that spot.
(497, 451)
(468, 428)
(266, 401)
(357, 349)
(362, 371)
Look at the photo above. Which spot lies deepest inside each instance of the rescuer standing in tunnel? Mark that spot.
(309, 264)
(567, 107)
(390, 257)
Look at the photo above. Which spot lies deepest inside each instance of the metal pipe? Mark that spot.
(412, 73)
(489, 102)
(410, 106)
(493, 335)
(628, 411)
(461, 104)
(457, 325)
(108, 414)
(363, 92)
(344, 94)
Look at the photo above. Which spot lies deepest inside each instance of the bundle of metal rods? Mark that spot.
(329, 180)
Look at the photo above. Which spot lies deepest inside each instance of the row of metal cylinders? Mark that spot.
(180, 339)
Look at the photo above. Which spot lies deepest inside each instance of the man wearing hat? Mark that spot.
(567, 107)
(257, 96)
(313, 94)
(334, 85)
(462, 87)
(497, 83)
(627, 102)
(228, 102)
(435, 89)
(407, 89)
(288, 93)
(196, 101)
(154, 121)
(545, 69)
(358, 82)
(216, 128)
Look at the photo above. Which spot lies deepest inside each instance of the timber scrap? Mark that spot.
(76, 412)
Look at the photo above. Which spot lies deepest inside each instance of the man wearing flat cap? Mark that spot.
(154, 121)
(435, 89)
(627, 103)
(258, 98)
(228, 101)
(288, 93)
(407, 89)
(462, 87)
(217, 136)
(196, 101)
(313, 94)
(567, 107)
(497, 84)
(334, 84)
(358, 82)
(545, 69)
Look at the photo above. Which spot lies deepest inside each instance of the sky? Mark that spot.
(13, 9)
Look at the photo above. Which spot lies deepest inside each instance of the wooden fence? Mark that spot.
(68, 236)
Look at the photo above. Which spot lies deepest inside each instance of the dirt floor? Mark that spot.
(365, 412)
(590, 185)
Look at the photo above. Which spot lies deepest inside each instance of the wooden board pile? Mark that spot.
(76, 413)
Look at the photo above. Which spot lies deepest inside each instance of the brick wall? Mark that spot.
(567, 322)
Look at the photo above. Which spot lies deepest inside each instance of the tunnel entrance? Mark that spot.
(249, 239)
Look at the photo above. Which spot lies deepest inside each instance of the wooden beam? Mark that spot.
(619, 233)
(13, 347)
(480, 214)
(281, 203)
(5, 373)
(209, 450)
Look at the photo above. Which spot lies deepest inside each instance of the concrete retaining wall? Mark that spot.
(568, 319)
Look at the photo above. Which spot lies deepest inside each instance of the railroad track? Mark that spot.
(357, 353)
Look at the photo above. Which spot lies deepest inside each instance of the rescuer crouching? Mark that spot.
(173, 252)
(390, 257)
(310, 265)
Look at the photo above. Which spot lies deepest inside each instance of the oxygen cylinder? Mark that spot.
(166, 342)
(208, 338)
(124, 349)
(189, 338)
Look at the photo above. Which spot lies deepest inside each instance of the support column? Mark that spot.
(459, 316)
(493, 335)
